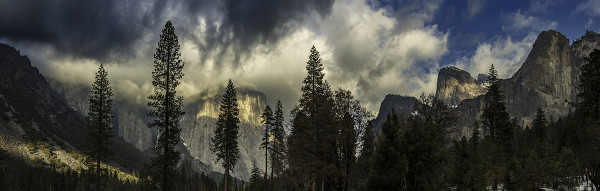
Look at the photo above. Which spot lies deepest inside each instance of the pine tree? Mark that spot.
(390, 165)
(278, 151)
(268, 120)
(368, 142)
(589, 87)
(225, 143)
(166, 107)
(314, 84)
(494, 116)
(254, 178)
(539, 127)
(312, 143)
(99, 120)
(495, 119)
(498, 128)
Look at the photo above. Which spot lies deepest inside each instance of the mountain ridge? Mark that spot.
(547, 79)
(33, 112)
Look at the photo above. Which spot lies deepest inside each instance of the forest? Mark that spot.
(330, 143)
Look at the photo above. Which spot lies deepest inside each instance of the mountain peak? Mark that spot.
(455, 85)
(461, 76)
(548, 39)
(12, 57)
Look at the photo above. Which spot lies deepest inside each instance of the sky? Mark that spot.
(370, 47)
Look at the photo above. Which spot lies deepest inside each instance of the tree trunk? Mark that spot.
(267, 164)
(226, 179)
(272, 177)
(167, 115)
(99, 122)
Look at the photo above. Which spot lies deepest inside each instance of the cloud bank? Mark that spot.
(368, 48)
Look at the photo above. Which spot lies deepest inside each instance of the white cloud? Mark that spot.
(506, 55)
(589, 7)
(374, 53)
(518, 22)
(371, 52)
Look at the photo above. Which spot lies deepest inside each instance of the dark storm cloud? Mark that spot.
(109, 29)
(248, 23)
(86, 28)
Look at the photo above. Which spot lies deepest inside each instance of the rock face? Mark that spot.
(200, 120)
(548, 79)
(545, 80)
(581, 48)
(197, 127)
(402, 105)
(31, 99)
(455, 85)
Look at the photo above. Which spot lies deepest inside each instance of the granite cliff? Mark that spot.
(455, 85)
(197, 127)
(548, 79)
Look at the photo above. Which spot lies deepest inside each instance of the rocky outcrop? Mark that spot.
(455, 85)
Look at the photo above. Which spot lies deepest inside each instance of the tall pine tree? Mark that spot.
(497, 126)
(312, 143)
(254, 179)
(225, 143)
(278, 155)
(268, 120)
(495, 119)
(589, 87)
(539, 126)
(166, 107)
(99, 120)
(278, 151)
